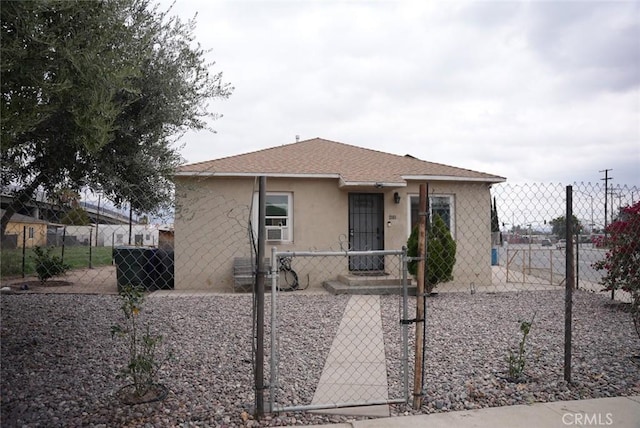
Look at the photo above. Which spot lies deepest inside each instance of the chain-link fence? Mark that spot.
(532, 243)
(346, 350)
(336, 334)
(527, 247)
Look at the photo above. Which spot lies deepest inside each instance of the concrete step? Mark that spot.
(358, 280)
(339, 287)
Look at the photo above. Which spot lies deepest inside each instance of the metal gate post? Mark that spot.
(405, 327)
(273, 378)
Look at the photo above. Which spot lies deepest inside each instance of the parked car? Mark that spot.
(545, 242)
(561, 244)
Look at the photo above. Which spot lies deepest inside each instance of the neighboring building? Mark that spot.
(24, 230)
(323, 195)
(166, 238)
(107, 235)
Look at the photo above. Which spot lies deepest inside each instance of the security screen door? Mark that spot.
(366, 231)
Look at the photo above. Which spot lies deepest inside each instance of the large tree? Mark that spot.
(95, 94)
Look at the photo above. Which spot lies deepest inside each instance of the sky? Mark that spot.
(537, 91)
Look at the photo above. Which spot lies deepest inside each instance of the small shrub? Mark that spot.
(441, 253)
(47, 265)
(144, 363)
(517, 361)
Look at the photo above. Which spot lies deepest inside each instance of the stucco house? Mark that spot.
(26, 231)
(321, 194)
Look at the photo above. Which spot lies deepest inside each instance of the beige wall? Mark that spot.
(211, 227)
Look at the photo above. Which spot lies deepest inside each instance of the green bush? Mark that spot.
(441, 253)
(142, 345)
(47, 265)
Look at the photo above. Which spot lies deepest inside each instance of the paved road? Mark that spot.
(546, 258)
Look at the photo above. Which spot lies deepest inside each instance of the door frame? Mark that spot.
(366, 227)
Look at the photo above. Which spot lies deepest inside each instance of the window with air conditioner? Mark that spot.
(278, 216)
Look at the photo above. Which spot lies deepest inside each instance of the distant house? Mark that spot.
(323, 195)
(24, 231)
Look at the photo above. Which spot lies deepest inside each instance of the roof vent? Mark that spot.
(297, 138)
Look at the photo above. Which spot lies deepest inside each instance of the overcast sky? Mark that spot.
(531, 91)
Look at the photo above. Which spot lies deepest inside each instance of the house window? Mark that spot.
(278, 216)
(31, 232)
(443, 205)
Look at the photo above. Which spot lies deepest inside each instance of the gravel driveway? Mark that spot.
(59, 362)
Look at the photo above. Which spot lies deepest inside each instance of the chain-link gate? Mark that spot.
(351, 349)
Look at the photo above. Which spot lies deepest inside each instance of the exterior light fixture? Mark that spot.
(396, 197)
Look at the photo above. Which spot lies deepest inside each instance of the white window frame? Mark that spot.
(287, 231)
(452, 210)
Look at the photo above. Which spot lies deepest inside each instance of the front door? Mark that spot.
(366, 231)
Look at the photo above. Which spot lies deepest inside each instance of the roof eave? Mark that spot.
(454, 178)
(251, 174)
(376, 184)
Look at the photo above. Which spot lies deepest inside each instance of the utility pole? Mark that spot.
(606, 192)
(606, 187)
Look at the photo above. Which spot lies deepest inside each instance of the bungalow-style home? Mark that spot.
(323, 195)
(23, 230)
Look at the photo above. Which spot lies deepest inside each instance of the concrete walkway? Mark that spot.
(618, 412)
(356, 369)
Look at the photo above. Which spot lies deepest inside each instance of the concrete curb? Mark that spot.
(619, 412)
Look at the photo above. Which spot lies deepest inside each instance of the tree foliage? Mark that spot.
(622, 260)
(95, 94)
(441, 253)
(495, 223)
(559, 227)
(76, 216)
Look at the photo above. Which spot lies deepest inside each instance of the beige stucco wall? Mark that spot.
(211, 228)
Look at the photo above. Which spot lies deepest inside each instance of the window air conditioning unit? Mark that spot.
(274, 234)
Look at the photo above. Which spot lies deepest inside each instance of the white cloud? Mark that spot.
(539, 91)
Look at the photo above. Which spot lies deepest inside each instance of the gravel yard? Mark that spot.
(59, 362)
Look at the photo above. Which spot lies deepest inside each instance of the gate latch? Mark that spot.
(411, 321)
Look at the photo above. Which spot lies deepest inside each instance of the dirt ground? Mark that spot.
(100, 280)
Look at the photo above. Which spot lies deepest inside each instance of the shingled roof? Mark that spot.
(320, 158)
